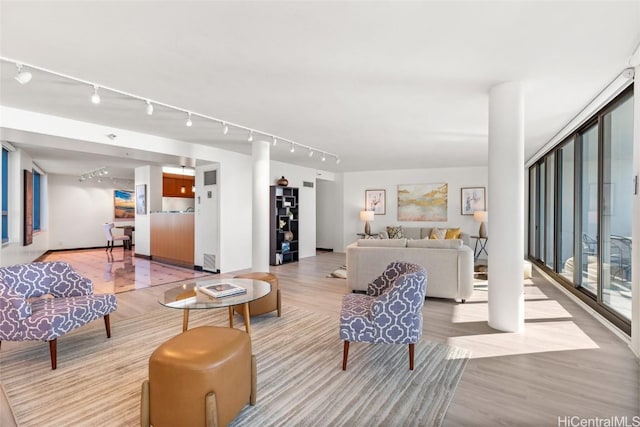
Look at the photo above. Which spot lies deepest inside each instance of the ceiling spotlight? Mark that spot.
(149, 108)
(23, 77)
(293, 148)
(95, 98)
(105, 172)
(225, 128)
(189, 123)
(310, 152)
(275, 140)
(337, 160)
(324, 157)
(250, 136)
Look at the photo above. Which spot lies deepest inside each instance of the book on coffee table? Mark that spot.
(219, 290)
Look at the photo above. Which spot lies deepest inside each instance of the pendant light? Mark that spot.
(182, 188)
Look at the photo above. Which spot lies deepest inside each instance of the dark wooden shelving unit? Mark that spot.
(284, 223)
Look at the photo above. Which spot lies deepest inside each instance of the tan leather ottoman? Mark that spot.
(202, 377)
(265, 304)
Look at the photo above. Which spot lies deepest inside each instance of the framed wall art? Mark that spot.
(141, 199)
(123, 204)
(422, 202)
(472, 199)
(376, 201)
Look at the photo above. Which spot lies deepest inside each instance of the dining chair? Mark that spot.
(108, 232)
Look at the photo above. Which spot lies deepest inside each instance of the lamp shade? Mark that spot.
(367, 215)
(480, 216)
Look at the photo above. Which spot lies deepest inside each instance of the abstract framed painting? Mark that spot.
(422, 202)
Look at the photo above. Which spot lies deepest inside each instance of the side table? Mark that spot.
(481, 246)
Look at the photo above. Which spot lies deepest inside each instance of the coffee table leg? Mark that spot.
(247, 321)
(231, 317)
(185, 319)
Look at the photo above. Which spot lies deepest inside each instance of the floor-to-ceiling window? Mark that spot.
(616, 218)
(36, 200)
(588, 209)
(580, 210)
(565, 238)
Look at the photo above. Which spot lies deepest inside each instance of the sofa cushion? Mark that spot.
(383, 243)
(395, 232)
(411, 232)
(452, 233)
(435, 243)
(438, 233)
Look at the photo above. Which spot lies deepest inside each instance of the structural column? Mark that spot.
(506, 207)
(260, 211)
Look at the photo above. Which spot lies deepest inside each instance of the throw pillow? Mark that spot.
(452, 233)
(438, 233)
(395, 232)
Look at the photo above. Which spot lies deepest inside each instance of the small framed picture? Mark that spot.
(376, 201)
(141, 199)
(472, 199)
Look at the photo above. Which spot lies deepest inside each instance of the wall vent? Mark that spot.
(307, 184)
(210, 177)
(209, 263)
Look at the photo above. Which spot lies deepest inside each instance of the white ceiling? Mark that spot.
(385, 85)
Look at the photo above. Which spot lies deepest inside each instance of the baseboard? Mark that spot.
(324, 249)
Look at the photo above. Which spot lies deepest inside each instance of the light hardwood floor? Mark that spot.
(565, 364)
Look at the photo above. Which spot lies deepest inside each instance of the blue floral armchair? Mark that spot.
(390, 312)
(44, 300)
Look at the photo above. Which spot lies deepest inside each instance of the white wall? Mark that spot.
(207, 217)
(78, 210)
(329, 213)
(355, 184)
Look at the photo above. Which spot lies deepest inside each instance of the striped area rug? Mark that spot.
(300, 381)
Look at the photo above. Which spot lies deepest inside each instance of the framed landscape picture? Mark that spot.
(376, 201)
(472, 199)
(123, 204)
(422, 202)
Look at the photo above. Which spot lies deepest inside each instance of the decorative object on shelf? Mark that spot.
(481, 217)
(278, 259)
(282, 223)
(288, 236)
(376, 201)
(286, 247)
(283, 182)
(367, 216)
(422, 202)
(472, 199)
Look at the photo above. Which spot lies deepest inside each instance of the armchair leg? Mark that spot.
(53, 350)
(279, 303)
(345, 355)
(107, 325)
(411, 353)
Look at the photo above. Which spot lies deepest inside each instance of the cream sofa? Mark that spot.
(449, 263)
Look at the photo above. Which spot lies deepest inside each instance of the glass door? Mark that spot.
(589, 182)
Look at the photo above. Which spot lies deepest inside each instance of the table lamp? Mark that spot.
(367, 216)
(481, 217)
